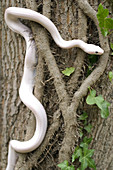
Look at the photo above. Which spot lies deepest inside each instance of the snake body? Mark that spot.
(26, 88)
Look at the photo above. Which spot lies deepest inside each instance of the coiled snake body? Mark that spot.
(26, 88)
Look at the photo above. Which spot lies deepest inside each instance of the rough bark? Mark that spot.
(62, 97)
(1, 79)
(15, 114)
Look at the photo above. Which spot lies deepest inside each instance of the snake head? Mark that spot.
(93, 49)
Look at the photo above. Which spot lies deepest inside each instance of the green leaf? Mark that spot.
(85, 122)
(88, 128)
(81, 134)
(70, 168)
(63, 165)
(111, 45)
(99, 100)
(83, 116)
(86, 157)
(104, 22)
(110, 76)
(91, 163)
(88, 152)
(84, 163)
(104, 32)
(93, 93)
(83, 145)
(68, 71)
(77, 153)
(91, 97)
(105, 110)
(86, 142)
(108, 23)
(101, 15)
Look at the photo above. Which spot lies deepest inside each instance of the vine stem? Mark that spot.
(95, 75)
(69, 111)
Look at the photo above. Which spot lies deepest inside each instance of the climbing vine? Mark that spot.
(82, 153)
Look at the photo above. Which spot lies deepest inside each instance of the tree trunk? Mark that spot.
(64, 98)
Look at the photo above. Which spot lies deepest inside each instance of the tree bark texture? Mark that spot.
(63, 97)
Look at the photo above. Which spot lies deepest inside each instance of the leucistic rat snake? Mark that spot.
(26, 88)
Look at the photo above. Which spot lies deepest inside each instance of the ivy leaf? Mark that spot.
(88, 152)
(111, 45)
(83, 145)
(104, 22)
(93, 93)
(85, 122)
(86, 142)
(91, 163)
(110, 76)
(84, 163)
(104, 32)
(99, 100)
(105, 110)
(88, 128)
(63, 165)
(77, 153)
(101, 15)
(83, 116)
(108, 23)
(86, 157)
(81, 134)
(91, 97)
(70, 168)
(68, 71)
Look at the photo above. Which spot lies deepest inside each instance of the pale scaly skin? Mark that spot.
(26, 88)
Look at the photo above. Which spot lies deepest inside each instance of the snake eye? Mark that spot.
(96, 52)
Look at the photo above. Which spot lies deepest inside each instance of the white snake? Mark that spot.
(26, 88)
